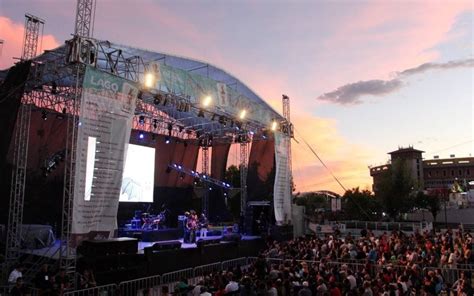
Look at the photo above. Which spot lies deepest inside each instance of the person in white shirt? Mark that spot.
(232, 286)
(16, 273)
(352, 280)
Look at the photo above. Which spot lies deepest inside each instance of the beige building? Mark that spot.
(429, 173)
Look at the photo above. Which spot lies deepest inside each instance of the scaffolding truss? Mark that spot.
(244, 146)
(33, 25)
(84, 25)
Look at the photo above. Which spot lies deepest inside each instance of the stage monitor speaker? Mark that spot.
(172, 245)
(113, 246)
(206, 242)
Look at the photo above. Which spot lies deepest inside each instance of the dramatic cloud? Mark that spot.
(352, 93)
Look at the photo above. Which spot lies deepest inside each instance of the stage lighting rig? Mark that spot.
(44, 115)
(242, 114)
(274, 125)
(141, 120)
(157, 99)
(149, 80)
(206, 102)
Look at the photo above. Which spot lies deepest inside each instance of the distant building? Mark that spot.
(428, 174)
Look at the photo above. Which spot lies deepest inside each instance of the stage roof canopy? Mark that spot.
(180, 76)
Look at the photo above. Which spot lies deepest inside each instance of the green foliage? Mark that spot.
(430, 202)
(396, 189)
(360, 205)
(312, 201)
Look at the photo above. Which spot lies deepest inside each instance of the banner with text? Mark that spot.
(282, 188)
(105, 122)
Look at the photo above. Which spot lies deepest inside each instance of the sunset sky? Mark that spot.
(364, 77)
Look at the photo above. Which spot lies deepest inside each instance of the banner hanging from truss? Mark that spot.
(105, 122)
(282, 187)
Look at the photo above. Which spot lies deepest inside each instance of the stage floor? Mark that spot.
(53, 251)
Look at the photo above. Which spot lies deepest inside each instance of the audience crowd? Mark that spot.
(390, 264)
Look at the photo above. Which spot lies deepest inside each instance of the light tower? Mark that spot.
(33, 24)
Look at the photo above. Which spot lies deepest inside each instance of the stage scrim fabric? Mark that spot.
(261, 165)
(185, 155)
(282, 189)
(220, 152)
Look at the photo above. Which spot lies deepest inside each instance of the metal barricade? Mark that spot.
(138, 286)
(106, 290)
(251, 260)
(239, 262)
(172, 279)
(201, 271)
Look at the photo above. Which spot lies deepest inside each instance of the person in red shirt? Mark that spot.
(335, 291)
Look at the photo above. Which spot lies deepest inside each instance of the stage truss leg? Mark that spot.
(243, 177)
(205, 171)
(84, 18)
(67, 249)
(17, 189)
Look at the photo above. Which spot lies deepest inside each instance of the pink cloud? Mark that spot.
(383, 37)
(12, 33)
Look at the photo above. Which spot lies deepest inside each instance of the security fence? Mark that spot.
(181, 280)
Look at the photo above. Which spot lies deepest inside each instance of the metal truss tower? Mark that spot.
(33, 25)
(85, 11)
(205, 171)
(243, 176)
(67, 255)
(17, 189)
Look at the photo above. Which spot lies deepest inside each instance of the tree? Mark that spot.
(312, 201)
(360, 204)
(396, 190)
(430, 202)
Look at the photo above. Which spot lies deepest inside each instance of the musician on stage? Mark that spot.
(203, 224)
(191, 226)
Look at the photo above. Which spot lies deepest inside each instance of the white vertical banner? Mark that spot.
(105, 122)
(282, 187)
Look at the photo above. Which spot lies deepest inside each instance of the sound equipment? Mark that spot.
(173, 245)
(106, 247)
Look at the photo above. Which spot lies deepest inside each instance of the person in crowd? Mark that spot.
(16, 273)
(19, 289)
(87, 279)
(62, 280)
(43, 281)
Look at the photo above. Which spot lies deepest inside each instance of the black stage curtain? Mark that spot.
(220, 152)
(261, 172)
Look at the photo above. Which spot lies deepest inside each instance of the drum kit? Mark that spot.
(150, 221)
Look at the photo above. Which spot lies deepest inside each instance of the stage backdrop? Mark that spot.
(282, 188)
(105, 121)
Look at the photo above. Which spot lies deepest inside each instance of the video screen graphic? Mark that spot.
(138, 174)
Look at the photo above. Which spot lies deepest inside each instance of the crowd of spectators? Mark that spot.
(48, 282)
(390, 264)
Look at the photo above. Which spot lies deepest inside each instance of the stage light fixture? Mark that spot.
(196, 181)
(141, 135)
(149, 80)
(274, 125)
(185, 144)
(157, 99)
(64, 110)
(153, 136)
(242, 114)
(44, 115)
(206, 102)
(140, 95)
(213, 117)
(167, 140)
(181, 176)
(155, 123)
(170, 127)
(201, 113)
(141, 119)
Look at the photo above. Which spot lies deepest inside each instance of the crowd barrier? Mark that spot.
(153, 285)
(106, 290)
